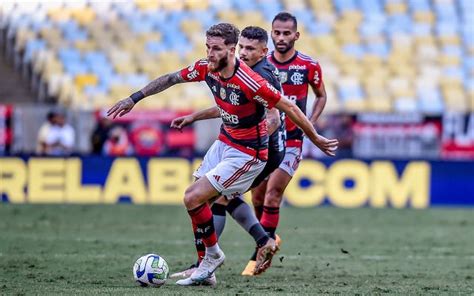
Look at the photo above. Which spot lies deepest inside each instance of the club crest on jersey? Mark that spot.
(234, 98)
(222, 93)
(283, 77)
(297, 78)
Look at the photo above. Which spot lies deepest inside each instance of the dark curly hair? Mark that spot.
(227, 31)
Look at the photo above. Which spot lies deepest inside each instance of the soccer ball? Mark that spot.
(150, 270)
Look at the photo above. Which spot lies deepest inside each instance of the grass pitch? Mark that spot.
(67, 249)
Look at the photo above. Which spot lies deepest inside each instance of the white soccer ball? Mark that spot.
(150, 270)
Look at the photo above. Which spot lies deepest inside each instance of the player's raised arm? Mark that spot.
(183, 121)
(328, 146)
(158, 85)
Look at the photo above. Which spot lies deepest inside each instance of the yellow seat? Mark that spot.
(83, 80)
(85, 45)
(379, 104)
(152, 104)
(450, 40)
(191, 28)
(424, 17)
(83, 15)
(230, 16)
(171, 4)
(59, 14)
(449, 60)
(125, 68)
(470, 98)
(120, 90)
(321, 5)
(145, 5)
(396, 8)
(355, 105)
(353, 17)
(169, 61)
(455, 100)
(196, 4)
(352, 69)
(99, 100)
(23, 35)
(200, 103)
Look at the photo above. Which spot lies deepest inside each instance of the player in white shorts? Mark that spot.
(229, 170)
(241, 96)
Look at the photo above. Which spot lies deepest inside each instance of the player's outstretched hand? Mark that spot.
(121, 108)
(180, 122)
(328, 146)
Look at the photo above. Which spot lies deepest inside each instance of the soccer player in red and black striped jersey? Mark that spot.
(241, 151)
(252, 51)
(297, 73)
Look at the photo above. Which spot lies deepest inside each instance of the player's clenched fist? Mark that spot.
(121, 108)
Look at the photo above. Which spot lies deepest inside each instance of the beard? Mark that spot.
(285, 49)
(219, 65)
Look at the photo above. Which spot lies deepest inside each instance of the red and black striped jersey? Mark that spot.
(241, 100)
(295, 76)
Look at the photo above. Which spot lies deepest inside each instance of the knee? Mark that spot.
(191, 198)
(273, 197)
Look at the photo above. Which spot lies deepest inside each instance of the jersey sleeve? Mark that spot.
(195, 72)
(267, 95)
(271, 76)
(315, 76)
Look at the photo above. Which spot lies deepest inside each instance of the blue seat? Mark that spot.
(74, 67)
(32, 46)
(354, 50)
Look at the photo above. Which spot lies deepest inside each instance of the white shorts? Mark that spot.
(230, 171)
(291, 161)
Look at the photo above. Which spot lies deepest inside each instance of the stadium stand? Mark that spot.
(377, 55)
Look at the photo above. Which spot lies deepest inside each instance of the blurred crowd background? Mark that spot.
(398, 74)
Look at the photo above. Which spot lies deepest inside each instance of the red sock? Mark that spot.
(202, 218)
(198, 243)
(270, 219)
(258, 212)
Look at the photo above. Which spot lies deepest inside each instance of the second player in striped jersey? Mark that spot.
(297, 73)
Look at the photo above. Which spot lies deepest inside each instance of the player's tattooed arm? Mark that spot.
(161, 83)
(158, 85)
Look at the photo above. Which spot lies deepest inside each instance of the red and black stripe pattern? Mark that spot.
(296, 75)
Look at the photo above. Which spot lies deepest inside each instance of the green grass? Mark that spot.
(67, 249)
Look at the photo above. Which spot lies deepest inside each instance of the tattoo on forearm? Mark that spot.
(161, 83)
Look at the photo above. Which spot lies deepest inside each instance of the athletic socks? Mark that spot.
(258, 212)
(270, 219)
(218, 211)
(199, 244)
(203, 225)
(242, 213)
